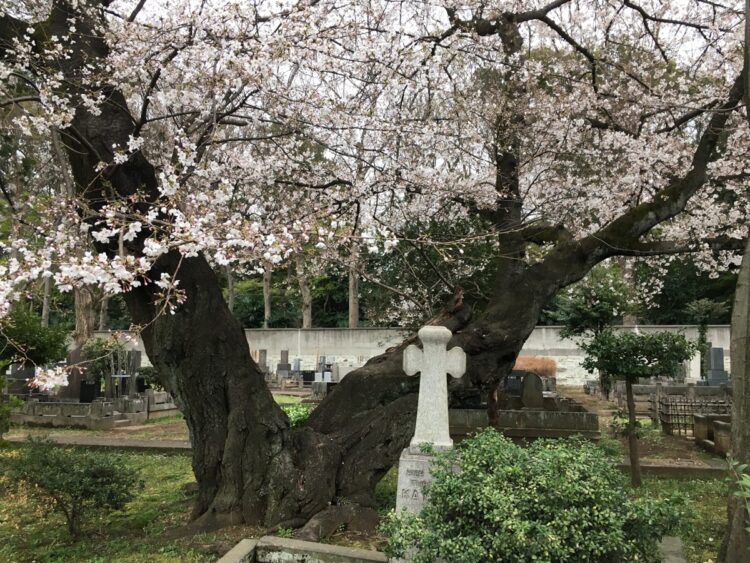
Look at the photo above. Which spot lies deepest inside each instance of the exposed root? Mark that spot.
(356, 518)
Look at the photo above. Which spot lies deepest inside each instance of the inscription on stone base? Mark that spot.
(413, 475)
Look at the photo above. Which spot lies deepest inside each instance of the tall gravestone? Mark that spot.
(284, 367)
(433, 362)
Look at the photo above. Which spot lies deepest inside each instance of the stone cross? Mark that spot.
(433, 362)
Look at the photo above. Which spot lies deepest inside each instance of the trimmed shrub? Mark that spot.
(539, 365)
(75, 481)
(555, 501)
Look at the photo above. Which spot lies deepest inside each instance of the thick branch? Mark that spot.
(575, 258)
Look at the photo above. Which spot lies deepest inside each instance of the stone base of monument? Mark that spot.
(413, 476)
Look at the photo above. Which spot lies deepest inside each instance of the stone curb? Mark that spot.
(282, 550)
(182, 447)
(679, 471)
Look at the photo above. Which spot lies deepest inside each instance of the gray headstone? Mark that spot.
(262, 359)
(716, 359)
(532, 393)
(413, 475)
(296, 363)
(284, 357)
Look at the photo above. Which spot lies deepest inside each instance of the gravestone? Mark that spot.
(532, 392)
(262, 360)
(433, 362)
(715, 372)
(284, 367)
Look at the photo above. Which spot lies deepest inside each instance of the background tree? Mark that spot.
(593, 305)
(630, 356)
(701, 312)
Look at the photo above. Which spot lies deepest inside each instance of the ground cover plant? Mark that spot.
(560, 500)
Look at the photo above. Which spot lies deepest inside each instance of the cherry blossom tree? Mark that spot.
(206, 134)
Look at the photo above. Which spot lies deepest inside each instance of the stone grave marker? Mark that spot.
(433, 362)
(283, 367)
(263, 360)
(532, 391)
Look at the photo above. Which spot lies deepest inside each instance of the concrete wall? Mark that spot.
(355, 346)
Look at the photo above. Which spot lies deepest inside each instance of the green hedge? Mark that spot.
(555, 501)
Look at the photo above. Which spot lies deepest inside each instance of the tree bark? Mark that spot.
(230, 291)
(736, 544)
(46, 295)
(304, 289)
(266, 297)
(635, 459)
(85, 315)
(353, 290)
(103, 310)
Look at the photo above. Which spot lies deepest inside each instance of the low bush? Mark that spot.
(75, 481)
(555, 501)
(298, 414)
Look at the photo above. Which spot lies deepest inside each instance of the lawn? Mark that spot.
(703, 512)
(142, 532)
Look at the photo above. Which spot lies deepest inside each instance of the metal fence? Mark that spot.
(676, 413)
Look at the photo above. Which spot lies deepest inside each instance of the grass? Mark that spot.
(282, 399)
(143, 532)
(703, 512)
(29, 531)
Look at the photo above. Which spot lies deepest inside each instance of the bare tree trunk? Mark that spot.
(736, 545)
(635, 459)
(46, 295)
(85, 315)
(230, 290)
(266, 297)
(354, 289)
(103, 309)
(304, 289)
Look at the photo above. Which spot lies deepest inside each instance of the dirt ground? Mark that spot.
(654, 446)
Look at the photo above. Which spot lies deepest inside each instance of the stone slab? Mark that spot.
(271, 549)
(413, 475)
(243, 552)
(671, 551)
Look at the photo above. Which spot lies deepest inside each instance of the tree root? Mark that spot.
(356, 518)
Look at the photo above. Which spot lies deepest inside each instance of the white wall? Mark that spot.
(355, 346)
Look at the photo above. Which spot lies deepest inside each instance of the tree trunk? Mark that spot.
(736, 545)
(304, 289)
(353, 289)
(46, 295)
(266, 297)
(635, 459)
(230, 291)
(85, 315)
(103, 310)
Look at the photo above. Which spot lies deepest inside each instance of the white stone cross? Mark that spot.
(432, 407)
